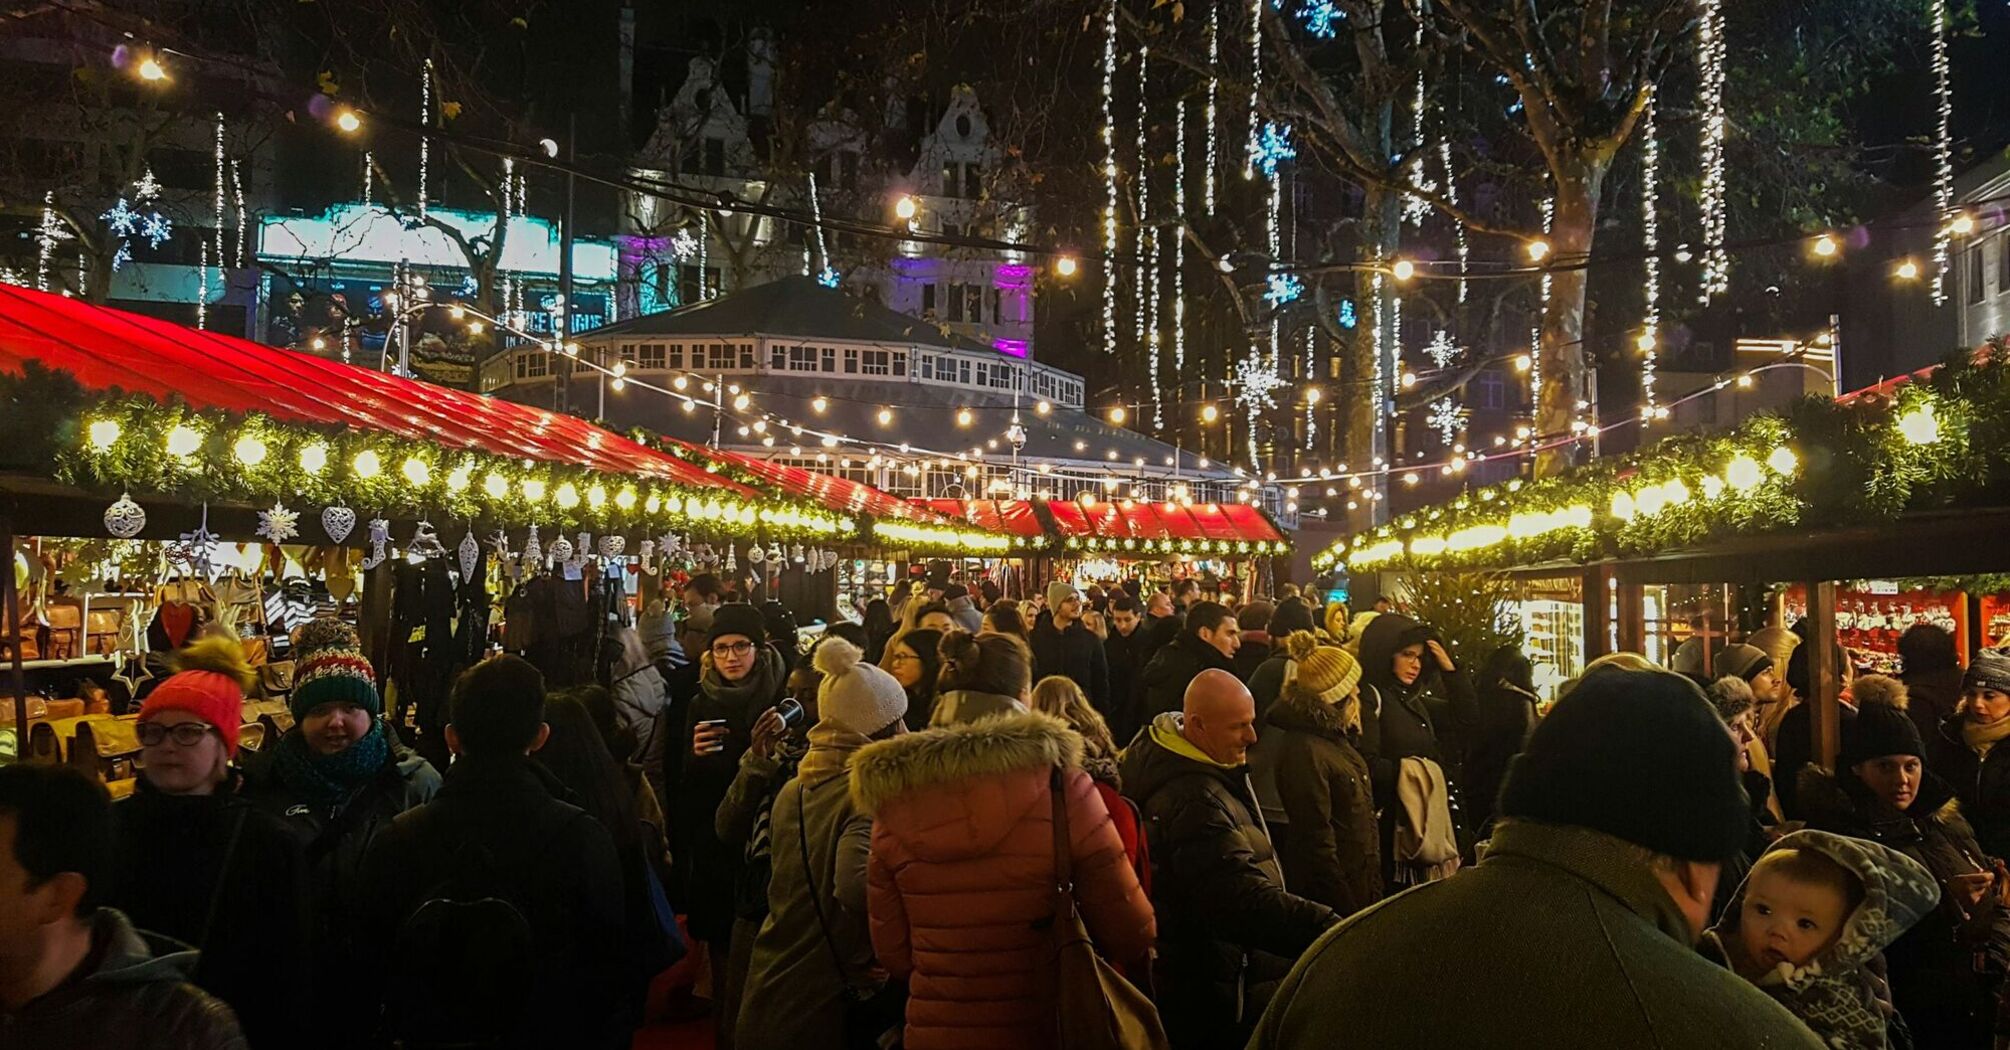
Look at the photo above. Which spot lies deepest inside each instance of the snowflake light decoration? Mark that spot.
(1284, 288)
(1349, 316)
(1255, 378)
(683, 245)
(1320, 17)
(828, 277)
(1446, 417)
(125, 220)
(278, 524)
(1442, 350)
(1273, 147)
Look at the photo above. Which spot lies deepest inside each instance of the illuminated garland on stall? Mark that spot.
(1818, 464)
(912, 536)
(116, 441)
(1170, 546)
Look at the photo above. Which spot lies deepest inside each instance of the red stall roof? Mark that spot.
(1013, 517)
(842, 495)
(105, 348)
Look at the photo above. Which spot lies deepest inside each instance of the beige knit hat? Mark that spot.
(855, 695)
(1326, 671)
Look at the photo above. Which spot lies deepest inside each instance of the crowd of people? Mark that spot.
(1282, 823)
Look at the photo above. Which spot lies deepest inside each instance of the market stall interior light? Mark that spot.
(249, 450)
(1920, 426)
(1742, 473)
(104, 433)
(184, 441)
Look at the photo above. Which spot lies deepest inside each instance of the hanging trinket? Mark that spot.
(125, 518)
(338, 523)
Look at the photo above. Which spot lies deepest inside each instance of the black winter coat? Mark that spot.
(559, 867)
(131, 993)
(1075, 654)
(1506, 717)
(1162, 686)
(1794, 747)
(1333, 854)
(1430, 718)
(177, 867)
(1228, 928)
(709, 869)
(1932, 966)
(1982, 784)
(1255, 649)
(1125, 658)
(1931, 697)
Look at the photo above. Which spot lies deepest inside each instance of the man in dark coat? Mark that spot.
(1123, 652)
(1578, 928)
(1252, 623)
(1064, 645)
(1208, 640)
(1931, 671)
(1228, 927)
(498, 828)
(72, 973)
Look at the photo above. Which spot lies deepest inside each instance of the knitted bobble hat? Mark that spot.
(1989, 670)
(855, 695)
(323, 632)
(332, 676)
(1326, 671)
(209, 682)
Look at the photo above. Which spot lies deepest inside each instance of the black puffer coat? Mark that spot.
(1982, 784)
(1935, 981)
(1228, 928)
(1333, 854)
(1162, 686)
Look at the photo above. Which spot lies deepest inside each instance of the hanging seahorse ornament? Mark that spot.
(380, 544)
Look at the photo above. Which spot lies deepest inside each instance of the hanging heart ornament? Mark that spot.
(338, 523)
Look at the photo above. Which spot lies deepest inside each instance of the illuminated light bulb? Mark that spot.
(680, 383)
(1409, 380)
(760, 426)
(1713, 486)
(348, 121)
(1674, 493)
(566, 495)
(1622, 506)
(318, 343)
(1065, 266)
(533, 490)
(1209, 414)
(741, 402)
(1041, 408)
(1523, 362)
(620, 369)
(1649, 502)
(1538, 251)
(150, 69)
(1962, 226)
(904, 207)
(314, 457)
(459, 478)
(964, 417)
(1907, 271)
(1745, 381)
(249, 450)
(1645, 342)
(416, 471)
(367, 464)
(1403, 270)
(475, 327)
(690, 407)
(885, 416)
(818, 404)
(495, 485)
(1826, 246)
(184, 441)
(1411, 478)
(1742, 472)
(596, 497)
(1920, 426)
(104, 433)
(1118, 415)
(651, 505)
(1313, 395)
(1783, 460)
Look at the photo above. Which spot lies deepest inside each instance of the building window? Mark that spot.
(688, 289)
(747, 356)
(927, 298)
(830, 356)
(651, 356)
(851, 361)
(535, 364)
(963, 371)
(1489, 390)
(628, 354)
(720, 356)
(900, 363)
(2002, 266)
(962, 179)
(997, 306)
(1974, 274)
(966, 303)
(674, 356)
(707, 156)
(877, 363)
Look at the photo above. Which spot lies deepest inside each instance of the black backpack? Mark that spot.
(464, 963)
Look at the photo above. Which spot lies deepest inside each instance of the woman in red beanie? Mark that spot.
(198, 863)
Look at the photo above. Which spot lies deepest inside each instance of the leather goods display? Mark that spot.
(1094, 1007)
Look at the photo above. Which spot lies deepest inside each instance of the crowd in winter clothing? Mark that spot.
(1284, 824)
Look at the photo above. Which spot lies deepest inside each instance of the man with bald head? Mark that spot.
(1228, 928)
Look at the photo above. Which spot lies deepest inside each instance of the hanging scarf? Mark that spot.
(1981, 736)
(760, 687)
(831, 748)
(326, 782)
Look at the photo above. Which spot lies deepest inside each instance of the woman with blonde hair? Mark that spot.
(1062, 698)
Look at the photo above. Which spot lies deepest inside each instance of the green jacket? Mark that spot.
(1560, 938)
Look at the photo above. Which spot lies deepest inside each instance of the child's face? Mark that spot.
(1787, 920)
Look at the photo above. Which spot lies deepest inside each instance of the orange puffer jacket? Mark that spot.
(962, 875)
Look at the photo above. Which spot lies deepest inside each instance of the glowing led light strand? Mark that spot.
(425, 141)
(369, 178)
(1710, 47)
(46, 235)
(1541, 315)
(237, 192)
(1458, 225)
(1255, 82)
(1311, 406)
(1179, 233)
(1943, 154)
(217, 200)
(1109, 177)
(1650, 243)
(1142, 181)
(1213, 89)
(827, 275)
(202, 287)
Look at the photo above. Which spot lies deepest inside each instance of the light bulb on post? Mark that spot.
(1118, 415)
(151, 70)
(885, 417)
(1313, 395)
(1538, 250)
(819, 404)
(904, 208)
(1907, 270)
(1065, 266)
(1826, 246)
(1209, 413)
(1403, 270)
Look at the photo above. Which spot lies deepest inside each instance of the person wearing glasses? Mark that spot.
(914, 662)
(740, 677)
(199, 863)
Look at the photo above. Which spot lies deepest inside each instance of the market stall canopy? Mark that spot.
(1011, 516)
(1144, 526)
(830, 491)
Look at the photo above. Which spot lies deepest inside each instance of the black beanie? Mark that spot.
(1745, 661)
(1879, 729)
(737, 618)
(1639, 755)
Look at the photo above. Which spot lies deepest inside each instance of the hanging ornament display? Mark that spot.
(380, 543)
(775, 556)
(470, 552)
(1710, 50)
(195, 552)
(561, 551)
(796, 554)
(1943, 154)
(338, 523)
(124, 519)
(533, 553)
(582, 551)
(499, 548)
(278, 524)
(613, 546)
(756, 555)
(732, 556)
(426, 541)
(829, 560)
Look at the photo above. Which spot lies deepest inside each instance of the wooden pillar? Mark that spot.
(1597, 612)
(10, 600)
(1824, 673)
(1632, 618)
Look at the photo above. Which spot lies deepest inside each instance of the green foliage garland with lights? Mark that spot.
(1942, 442)
(113, 441)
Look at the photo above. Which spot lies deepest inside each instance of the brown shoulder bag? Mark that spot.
(1095, 1008)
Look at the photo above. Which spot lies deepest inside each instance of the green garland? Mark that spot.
(113, 441)
(1938, 443)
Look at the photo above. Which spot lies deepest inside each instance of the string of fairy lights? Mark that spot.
(1943, 152)
(1710, 53)
(1650, 243)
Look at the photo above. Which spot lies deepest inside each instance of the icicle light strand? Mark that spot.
(1213, 90)
(1650, 243)
(1179, 241)
(45, 240)
(1148, 240)
(1255, 83)
(1109, 177)
(370, 177)
(1465, 248)
(237, 192)
(1535, 346)
(425, 142)
(1943, 154)
(1710, 47)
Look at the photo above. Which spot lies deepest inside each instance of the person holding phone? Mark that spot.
(740, 677)
(1946, 973)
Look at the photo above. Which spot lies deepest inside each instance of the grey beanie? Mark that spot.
(856, 695)
(1989, 670)
(1745, 661)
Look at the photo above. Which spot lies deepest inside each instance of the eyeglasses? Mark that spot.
(904, 657)
(185, 734)
(733, 649)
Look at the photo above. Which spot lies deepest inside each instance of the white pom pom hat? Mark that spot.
(855, 695)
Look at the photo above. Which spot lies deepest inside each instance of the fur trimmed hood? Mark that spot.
(888, 769)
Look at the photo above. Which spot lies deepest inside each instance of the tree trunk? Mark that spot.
(1562, 357)
(1367, 436)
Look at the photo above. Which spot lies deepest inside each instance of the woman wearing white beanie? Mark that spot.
(813, 982)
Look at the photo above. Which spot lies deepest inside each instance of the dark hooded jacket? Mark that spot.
(133, 992)
(1836, 993)
(1228, 927)
(1428, 718)
(1981, 782)
(1333, 854)
(1162, 684)
(1935, 981)
(1076, 654)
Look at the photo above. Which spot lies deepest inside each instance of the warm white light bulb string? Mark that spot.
(1710, 51)
(1943, 153)
(1109, 177)
(1650, 243)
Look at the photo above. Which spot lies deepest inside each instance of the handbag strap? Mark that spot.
(1064, 864)
(809, 876)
